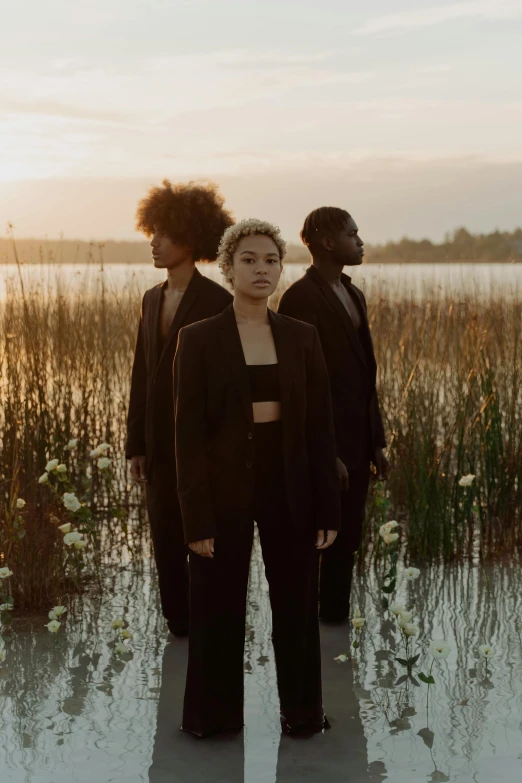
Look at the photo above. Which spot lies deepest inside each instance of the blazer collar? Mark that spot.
(235, 358)
(189, 297)
(337, 306)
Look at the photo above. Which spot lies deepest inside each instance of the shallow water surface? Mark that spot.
(70, 710)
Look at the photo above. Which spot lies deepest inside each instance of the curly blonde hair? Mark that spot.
(231, 237)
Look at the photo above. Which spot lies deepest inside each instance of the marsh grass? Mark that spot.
(450, 377)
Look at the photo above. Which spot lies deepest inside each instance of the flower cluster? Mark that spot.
(123, 635)
(387, 532)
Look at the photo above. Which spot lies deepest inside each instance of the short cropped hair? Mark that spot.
(190, 213)
(320, 222)
(231, 237)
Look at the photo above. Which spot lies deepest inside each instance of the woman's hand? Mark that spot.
(203, 548)
(323, 543)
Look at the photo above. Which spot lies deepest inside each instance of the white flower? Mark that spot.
(5, 573)
(126, 634)
(72, 444)
(341, 658)
(51, 465)
(53, 626)
(72, 538)
(120, 649)
(20, 503)
(71, 502)
(65, 528)
(397, 609)
(61, 468)
(6, 607)
(103, 463)
(57, 612)
(411, 573)
(404, 617)
(439, 648)
(358, 622)
(486, 651)
(388, 527)
(100, 450)
(390, 538)
(466, 481)
(80, 544)
(119, 622)
(3, 655)
(410, 629)
(44, 478)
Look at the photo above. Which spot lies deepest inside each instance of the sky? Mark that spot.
(406, 113)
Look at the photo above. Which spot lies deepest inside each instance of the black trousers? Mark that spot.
(218, 591)
(337, 561)
(170, 551)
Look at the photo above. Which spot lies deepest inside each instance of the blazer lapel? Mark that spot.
(337, 306)
(285, 359)
(187, 300)
(235, 359)
(153, 322)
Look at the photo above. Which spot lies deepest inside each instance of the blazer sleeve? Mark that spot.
(194, 490)
(135, 444)
(321, 442)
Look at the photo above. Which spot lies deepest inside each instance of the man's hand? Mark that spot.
(344, 478)
(203, 548)
(331, 535)
(382, 465)
(137, 469)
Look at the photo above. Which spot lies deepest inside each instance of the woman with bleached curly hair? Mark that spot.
(254, 442)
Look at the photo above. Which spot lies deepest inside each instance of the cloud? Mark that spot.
(404, 21)
(64, 111)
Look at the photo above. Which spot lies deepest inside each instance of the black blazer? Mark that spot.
(150, 422)
(215, 438)
(350, 360)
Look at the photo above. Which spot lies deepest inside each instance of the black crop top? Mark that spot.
(264, 382)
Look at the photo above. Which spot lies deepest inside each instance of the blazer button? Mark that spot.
(248, 464)
(250, 436)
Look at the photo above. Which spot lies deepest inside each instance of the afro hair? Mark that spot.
(189, 213)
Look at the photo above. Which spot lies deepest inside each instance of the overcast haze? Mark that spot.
(409, 114)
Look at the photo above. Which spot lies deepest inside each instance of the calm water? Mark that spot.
(395, 280)
(71, 711)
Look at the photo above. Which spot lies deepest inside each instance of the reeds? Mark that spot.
(450, 376)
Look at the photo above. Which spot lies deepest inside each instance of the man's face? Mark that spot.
(345, 245)
(167, 254)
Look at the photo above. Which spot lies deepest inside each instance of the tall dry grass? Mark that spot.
(450, 382)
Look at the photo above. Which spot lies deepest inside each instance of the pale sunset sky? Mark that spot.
(408, 113)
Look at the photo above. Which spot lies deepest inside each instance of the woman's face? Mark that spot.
(257, 266)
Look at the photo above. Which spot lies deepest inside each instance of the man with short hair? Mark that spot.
(185, 223)
(327, 298)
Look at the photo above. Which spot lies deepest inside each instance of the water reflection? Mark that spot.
(71, 711)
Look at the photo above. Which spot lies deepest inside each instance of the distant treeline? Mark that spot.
(458, 246)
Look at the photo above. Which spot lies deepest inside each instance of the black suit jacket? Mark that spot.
(150, 423)
(215, 438)
(350, 360)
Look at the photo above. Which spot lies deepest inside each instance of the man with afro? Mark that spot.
(185, 222)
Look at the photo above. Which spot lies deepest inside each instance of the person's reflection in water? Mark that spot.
(179, 757)
(339, 754)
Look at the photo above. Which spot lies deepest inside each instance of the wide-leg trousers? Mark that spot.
(218, 592)
(337, 561)
(170, 550)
